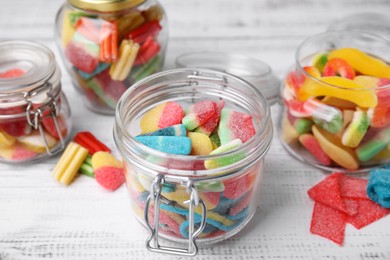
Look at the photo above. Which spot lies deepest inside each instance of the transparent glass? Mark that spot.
(230, 193)
(335, 116)
(35, 117)
(106, 50)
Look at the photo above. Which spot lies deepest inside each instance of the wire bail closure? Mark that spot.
(155, 195)
(34, 117)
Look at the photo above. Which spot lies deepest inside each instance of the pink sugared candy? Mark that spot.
(12, 73)
(235, 125)
(161, 116)
(16, 153)
(208, 127)
(82, 56)
(199, 113)
(109, 172)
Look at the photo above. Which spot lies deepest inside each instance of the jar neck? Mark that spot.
(107, 7)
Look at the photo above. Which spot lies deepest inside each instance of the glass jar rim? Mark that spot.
(105, 6)
(310, 39)
(259, 142)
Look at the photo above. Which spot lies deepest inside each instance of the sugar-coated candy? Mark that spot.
(332, 146)
(362, 62)
(86, 168)
(235, 125)
(312, 145)
(199, 113)
(341, 199)
(109, 41)
(226, 160)
(356, 130)
(35, 142)
(215, 141)
(12, 73)
(82, 54)
(161, 116)
(128, 51)
(69, 163)
(211, 199)
(148, 50)
(369, 149)
(378, 188)
(16, 152)
(201, 144)
(168, 144)
(208, 127)
(108, 170)
(175, 130)
(87, 140)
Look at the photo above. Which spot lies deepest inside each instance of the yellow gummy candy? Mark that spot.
(67, 29)
(102, 159)
(201, 144)
(362, 62)
(149, 122)
(6, 140)
(339, 87)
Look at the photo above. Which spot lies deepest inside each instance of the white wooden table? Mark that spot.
(40, 219)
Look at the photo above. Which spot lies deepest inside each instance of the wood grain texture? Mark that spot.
(40, 219)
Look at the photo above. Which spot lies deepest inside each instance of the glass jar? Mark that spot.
(336, 112)
(192, 202)
(109, 45)
(35, 116)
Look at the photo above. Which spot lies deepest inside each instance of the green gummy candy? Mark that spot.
(332, 126)
(214, 138)
(320, 61)
(371, 148)
(226, 160)
(356, 129)
(215, 186)
(86, 167)
(303, 125)
(143, 71)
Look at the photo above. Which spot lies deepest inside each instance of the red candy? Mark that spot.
(312, 145)
(12, 73)
(172, 115)
(110, 177)
(147, 30)
(328, 222)
(338, 66)
(90, 142)
(341, 199)
(80, 58)
(208, 127)
(199, 113)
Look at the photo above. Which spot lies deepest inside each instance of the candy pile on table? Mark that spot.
(338, 125)
(88, 156)
(19, 141)
(341, 199)
(108, 53)
(207, 127)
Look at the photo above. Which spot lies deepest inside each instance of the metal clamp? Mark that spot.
(34, 117)
(155, 194)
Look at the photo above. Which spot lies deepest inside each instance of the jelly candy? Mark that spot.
(333, 147)
(199, 113)
(208, 127)
(128, 51)
(319, 61)
(16, 152)
(6, 140)
(312, 145)
(201, 144)
(356, 130)
(378, 188)
(235, 125)
(289, 134)
(338, 66)
(175, 130)
(145, 31)
(302, 125)
(69, 163)
(83, 55)
(347, 89)
(109, 42)
(372, 147)
(220, 162)
(362, 62)
(327, 117)
(163, 115)
(167, 144)
(90, 142)
(108, 170)
(34, 141)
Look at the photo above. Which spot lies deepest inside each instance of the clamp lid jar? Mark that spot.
(108, 45)
(34, 113)
(192, 198)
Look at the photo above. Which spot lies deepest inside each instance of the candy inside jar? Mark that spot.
(336, 102)
(34, 113)
(193, 143)
(109, 45)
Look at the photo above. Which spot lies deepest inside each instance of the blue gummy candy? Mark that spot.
(175, 130)
(99, 68)
(378, 187)
(168, 144)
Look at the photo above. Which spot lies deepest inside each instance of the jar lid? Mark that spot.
(34, 65)
(374, 23)
(256, 72)
(105, 5)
